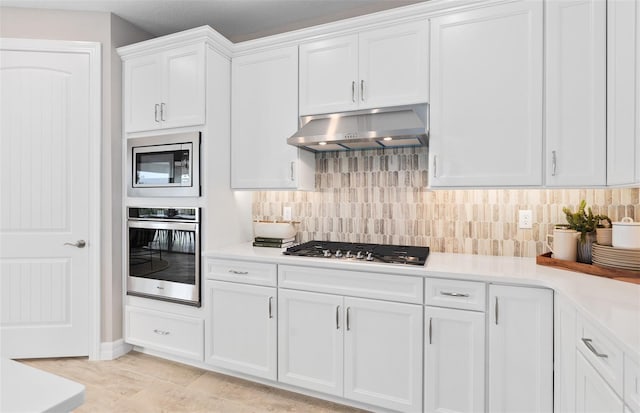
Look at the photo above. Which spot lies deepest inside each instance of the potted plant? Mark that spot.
(585, 222)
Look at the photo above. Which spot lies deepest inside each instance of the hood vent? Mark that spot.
(391, 127)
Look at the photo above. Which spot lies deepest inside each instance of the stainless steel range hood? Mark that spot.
(365, 129)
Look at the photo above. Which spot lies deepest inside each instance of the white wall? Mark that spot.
(112, 32)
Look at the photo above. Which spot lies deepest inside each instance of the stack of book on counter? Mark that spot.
(273, 242)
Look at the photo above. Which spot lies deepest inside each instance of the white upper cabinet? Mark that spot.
(575, 66)
(165, 89)
(486, 96)
(264, 113)
(375, 68)
(622, 91)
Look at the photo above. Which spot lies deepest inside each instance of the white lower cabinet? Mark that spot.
(593, 394)
(454, 369)
(361, 349)
(520, 349)
(564, 356)
(310, 352)
(241, 330)
(170, 333)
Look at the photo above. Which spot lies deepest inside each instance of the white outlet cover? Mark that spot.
(525, 219)
(286, 213)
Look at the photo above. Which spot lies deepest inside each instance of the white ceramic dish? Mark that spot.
(626, 234)
(282, 230)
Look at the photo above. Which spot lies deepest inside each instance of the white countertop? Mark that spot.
(27, 389)
(613, 305)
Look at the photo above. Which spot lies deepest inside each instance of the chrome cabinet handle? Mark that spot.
(156, 112)
(453, 294)
(587, 342)
(78, 244)
(338, 318)
(496, 310)
(348, 318)
(292, 172)
(270, 307)
(554, 163)
(362, 90)
(435, 166)
(239, 272)
(430, 330)
(162, 105)
(161, 332)
(353, 91)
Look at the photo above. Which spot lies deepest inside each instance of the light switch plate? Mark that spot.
(525, 219)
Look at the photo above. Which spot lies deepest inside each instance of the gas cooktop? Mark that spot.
(393, 254)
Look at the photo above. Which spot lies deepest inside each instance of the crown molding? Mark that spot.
(352, 25)
(198, 35)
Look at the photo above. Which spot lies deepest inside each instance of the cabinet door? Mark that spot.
(454, 360)
(393, 65)
(264, 113)
(329, 75)
(310, 338)
(142, 91)
(621, 92)
(383, 354)
(486, 96)
(564, 356)
(593, 393)
(183, 100)
(576, 93)
(520, 349)
(242, 328)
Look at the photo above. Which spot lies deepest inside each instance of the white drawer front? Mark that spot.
(352, 283)
(632, 384)
(178, 335)
(242, 272)
(604, 355)
(465, 295)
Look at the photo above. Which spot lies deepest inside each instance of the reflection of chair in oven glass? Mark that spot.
(143, 257)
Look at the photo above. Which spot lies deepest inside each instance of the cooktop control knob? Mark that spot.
(338, 254)
(326, 253)
(348, 254)
(359, 255)
(369, 256)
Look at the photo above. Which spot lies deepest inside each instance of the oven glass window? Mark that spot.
(162, 254)
(161, 168)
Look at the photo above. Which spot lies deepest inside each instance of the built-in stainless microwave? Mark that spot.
(164, 165)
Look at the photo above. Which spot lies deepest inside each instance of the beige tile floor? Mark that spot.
(138, 382)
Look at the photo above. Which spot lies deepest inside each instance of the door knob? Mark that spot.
(79, 243)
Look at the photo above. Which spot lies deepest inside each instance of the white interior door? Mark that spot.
(45, 202)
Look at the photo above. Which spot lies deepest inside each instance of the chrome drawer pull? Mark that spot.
(452, 294)
(587, 342)
(239, 272)
(430, 330)
(161, 332)
(270, 307)
(338, 318)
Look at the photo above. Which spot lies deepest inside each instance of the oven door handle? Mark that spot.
(180, 226)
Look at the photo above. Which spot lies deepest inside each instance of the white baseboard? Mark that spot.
(114, 349)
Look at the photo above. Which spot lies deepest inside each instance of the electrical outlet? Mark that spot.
(525, 218)
(286, 213)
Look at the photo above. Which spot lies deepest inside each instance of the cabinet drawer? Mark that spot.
(465, 295)
(352, 283)
(632, 384)
(242, 272)
(171, 333)
(604, 355)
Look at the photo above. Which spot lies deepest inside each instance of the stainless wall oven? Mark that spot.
(164, 165)
(163, 260)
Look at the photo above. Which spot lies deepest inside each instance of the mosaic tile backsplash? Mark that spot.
(381, 196)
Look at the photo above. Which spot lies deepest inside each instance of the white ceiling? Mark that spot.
(237, 20)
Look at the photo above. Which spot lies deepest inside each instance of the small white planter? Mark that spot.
(281, 230)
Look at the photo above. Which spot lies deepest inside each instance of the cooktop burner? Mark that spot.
(394, 254)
